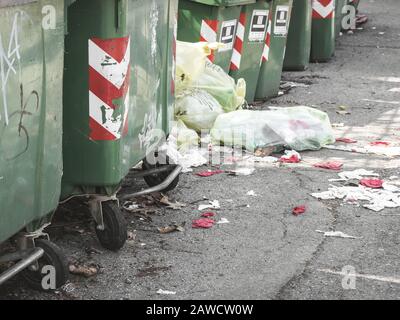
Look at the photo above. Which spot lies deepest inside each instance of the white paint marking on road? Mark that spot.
(382, 101)
(363, 276)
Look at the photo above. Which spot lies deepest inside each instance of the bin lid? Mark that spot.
(11, 3)
(224, 3)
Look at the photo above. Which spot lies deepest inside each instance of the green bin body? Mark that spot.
(249, 45)
(339, 16)
(118, 89)
(31, 68)
(298, 46)
(211, 21)
(272, 61)
(323, 30)
(354, 3)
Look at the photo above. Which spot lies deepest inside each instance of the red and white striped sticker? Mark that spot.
(208, 33)
(238, 47)
(323, 9)
(109, 75)
(267, 46)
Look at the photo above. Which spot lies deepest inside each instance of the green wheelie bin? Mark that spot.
(31, 68)
(275, 46)
(323, 30)
(118, 99)
(249, 45)
(298, 47)
(339, 16)
(354, 3)
(211, 21)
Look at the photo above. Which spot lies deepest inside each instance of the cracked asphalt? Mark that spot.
(265, 252)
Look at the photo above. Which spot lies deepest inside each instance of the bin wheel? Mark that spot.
(156, 179)
(53, 256)
(114, 235)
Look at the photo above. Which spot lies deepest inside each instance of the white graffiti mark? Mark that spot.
(8, 62)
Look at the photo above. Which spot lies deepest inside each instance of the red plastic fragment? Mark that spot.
(330, 165)
(299, 210)
(208, 215)
(203, 223)
(346, 140)
(372, 183)
(380, 143)
(209, 173)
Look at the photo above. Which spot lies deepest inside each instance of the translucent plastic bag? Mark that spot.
(298, 128)
(221, 86)
(191, 61)
(185, 137)
(197, 109)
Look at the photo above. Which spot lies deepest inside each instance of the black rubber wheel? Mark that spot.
(155, 179)
(53, 256)
(114, 235)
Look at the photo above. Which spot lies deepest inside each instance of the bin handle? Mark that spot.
(118, 13)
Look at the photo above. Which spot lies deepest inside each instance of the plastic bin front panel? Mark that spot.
(31, 64)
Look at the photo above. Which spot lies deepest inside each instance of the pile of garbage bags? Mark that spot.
(208, 100)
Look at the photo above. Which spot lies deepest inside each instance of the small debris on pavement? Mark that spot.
(337, 234)
(209, 173)
(82, 270)
(172, 205)
(252, 193)
(380, 143)
(330, 165)
(346, 140)
(242, 172)
(131, 206)
(211, 205)
(171, 228)
(208, 215)
(204, 223)
(223, 221)
(166, 292)
(297, 211)
(290, 157)
(372, 183)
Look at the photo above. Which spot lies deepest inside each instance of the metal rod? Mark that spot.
(162, 186)
(145, 173)
(37, 253)
(15, 256)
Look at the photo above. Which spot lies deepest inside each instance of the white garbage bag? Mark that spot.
(298, 128)
(197, 109)
(185, 138)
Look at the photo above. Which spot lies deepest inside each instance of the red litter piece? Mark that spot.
(372, 183)
(208, 215)
(299, 210)
(380, 143)
(292, 159)
(330, 165)
(203, 223)
(346, 140)
(209, 173)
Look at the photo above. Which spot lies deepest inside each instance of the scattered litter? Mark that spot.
(204, 223)
(372, 183)
(212, 205)
(337, 234)
(209, 173)
(290, 157)
(242, 171)
(330, 165)
(343, 112)
(223, 221)
(166, 292)
(172, 205)
(380, 143)
(346, 140)
(299, 210)
(85, 271)
(131, 236)
(131, 206)
(208, 215)
(355, 174)
(252, 193)
(338, 125)
(171, 228)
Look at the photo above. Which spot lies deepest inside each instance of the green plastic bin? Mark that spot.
(31, 68)
(211, 21)
(323, 30)
(298, 46)
(249, 45)
(354, 3)
(118, 99)
(272, 60)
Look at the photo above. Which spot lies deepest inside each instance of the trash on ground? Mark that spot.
(208, 214)
(378, 150)
(82, 270)
(204, 223)
(299, 210)
(355, 174)
(211, 205)
(290, 157)
(131, 206)
(380, 143)
(172, 205)
(337, 234)
(242, 171)
(252, 193)
(372, 183)
(346, 140)
(223, 221)
(209, 173)
(298, 128)
(166, 292)
(330, 165)
(171, 228)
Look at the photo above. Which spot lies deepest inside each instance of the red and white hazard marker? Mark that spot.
(323, 9)
(208, 33)
(238, 47)
(267, 46)
(109, 75)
